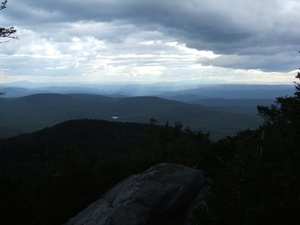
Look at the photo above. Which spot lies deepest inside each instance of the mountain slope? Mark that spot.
(85, 134)
(37, 111)
(248, 105)
(231, 92)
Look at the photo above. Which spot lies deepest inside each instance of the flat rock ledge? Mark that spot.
(159, 192)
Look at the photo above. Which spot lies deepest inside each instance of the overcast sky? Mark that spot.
(99, 41)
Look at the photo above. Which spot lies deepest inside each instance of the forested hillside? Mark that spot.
(259, 181)
(34, 112)
(50, 175)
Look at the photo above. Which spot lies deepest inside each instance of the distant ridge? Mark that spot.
(175, 91)
(248, 105)
(232, 92)
(34, 112)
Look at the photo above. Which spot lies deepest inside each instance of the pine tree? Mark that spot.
(7, 32)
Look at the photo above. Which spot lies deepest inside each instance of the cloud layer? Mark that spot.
(147, 41)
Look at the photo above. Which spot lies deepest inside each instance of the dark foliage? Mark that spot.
(50, 175)
(87, 134)
(7, 32)
(260, 181)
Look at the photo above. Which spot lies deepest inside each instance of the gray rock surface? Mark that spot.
(155, 193)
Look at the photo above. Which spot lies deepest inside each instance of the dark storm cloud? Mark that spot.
(258, 34)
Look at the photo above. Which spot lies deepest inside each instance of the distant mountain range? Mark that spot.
(231, 92)
(247, 105)
(33, 112)
(178, 92)
(218, 109)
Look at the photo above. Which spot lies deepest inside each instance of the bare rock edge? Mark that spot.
(161, 191)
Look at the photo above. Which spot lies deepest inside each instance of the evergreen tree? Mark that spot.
(7, 32)
(260, 183)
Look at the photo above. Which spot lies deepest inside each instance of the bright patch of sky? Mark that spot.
(151, 41)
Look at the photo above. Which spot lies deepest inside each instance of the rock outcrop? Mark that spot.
(159, 192)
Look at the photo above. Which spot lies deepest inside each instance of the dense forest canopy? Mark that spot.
(52, 174)
(260, 181)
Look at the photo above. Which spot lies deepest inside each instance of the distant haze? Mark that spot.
(219, 109)
(172, 90)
